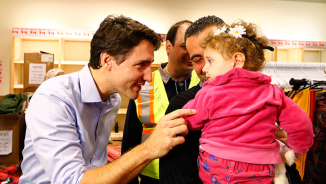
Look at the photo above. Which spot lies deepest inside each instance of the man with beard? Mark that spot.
(179, 165)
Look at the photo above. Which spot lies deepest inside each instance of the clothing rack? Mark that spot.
(301, 84)
(282, 72)
(297, 77)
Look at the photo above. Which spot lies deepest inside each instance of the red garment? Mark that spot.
(114, 152)
(220, 171)
(237, 114)
(312, 104)
(10, 174)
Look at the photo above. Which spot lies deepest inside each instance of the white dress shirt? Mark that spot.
(68, 129)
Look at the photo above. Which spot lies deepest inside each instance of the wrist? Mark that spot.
(145, 152)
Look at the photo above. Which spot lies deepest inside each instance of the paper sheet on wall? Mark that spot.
(5, 142)
(36, 73)
(0, 72)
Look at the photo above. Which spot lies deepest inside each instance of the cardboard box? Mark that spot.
(15, 124)
(36, 64)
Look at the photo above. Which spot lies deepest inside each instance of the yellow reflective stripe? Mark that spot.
(139, 103)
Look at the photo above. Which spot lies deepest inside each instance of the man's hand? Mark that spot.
(164, 137)
(130, 164)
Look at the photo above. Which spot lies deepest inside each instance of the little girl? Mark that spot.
(237, 109)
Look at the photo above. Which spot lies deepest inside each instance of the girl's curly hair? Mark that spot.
(251, 45)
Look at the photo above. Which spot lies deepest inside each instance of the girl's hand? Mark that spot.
(281, 135)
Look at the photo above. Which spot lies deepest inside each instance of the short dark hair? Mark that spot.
(202, 23)
(117, 36)
(173, 30)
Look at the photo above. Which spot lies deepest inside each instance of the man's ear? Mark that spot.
(240, 60)
(106, 61)
(168, 46)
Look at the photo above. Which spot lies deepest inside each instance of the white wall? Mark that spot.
(278, 19)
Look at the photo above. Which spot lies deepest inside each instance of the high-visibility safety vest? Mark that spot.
(151, 106)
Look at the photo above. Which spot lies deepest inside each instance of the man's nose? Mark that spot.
(187, 57)
(147, 74)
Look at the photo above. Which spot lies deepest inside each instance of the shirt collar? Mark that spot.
(201, 84)
(166, 77)
(88, 90)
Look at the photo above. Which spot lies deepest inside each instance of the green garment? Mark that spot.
(12, 103)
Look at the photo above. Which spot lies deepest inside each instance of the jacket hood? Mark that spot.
(239, 73)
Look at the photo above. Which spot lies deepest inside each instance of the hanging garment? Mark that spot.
(315, 168)
(312, 104)
(302, 98)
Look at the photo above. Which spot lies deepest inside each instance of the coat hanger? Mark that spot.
(297, 83)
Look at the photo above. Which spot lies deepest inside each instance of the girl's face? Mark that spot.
(215, 64)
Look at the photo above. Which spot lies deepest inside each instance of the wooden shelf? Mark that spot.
(70, 55)
(117, 136)
(122, 111)
(19, 61)
(18, 86)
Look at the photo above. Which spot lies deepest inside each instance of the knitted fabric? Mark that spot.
(179, 165)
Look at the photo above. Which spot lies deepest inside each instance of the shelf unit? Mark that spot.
(282, 54)
(70, 55)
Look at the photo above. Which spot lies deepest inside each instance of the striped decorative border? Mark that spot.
(298, 44)
(57, 33)
(86, 34)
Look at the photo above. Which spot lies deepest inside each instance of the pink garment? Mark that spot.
(220, 171)
(237, 114)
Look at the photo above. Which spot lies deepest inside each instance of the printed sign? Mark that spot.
(5, 142)
(47, 58)
(36, 73)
